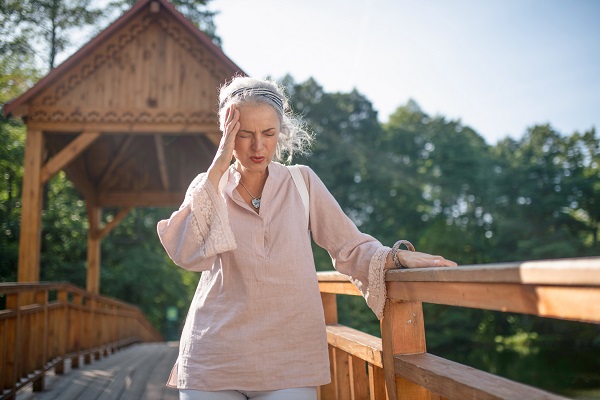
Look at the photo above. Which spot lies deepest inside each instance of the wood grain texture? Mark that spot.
(31, 214)
(402, 332)
(39, 336)
(362, 345)
(569, 302)
(457, 381)
(564, 272)
(67, 154)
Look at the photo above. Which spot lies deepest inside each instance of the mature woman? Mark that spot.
(255, 328)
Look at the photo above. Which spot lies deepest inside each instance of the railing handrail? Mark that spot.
(563, 289)
(37, 334)
(547, 288)
(584, 271)
(14, 287)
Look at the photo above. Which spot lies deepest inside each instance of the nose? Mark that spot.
(257, 143)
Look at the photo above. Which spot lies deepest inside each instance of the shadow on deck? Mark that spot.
(139, 371)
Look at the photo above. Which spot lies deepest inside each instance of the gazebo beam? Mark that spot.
(206, 152)
(140, 199)
(67, 154)
(109, 226)
(31, 209)
(93, 252)
(107, 173)
(162, 163)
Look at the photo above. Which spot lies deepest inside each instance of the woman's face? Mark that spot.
(256, 140)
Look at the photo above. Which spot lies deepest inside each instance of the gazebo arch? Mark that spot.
(130, 118)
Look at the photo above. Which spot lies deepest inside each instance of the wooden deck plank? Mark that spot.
(87, 382)
(134, 373)
(139, 375)
(156, 388)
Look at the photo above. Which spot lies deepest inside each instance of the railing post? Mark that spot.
(402, 332)
(88, 319)
(63, 337)
(41, 346)
(75, 328)
(13, 345)
(329, 391)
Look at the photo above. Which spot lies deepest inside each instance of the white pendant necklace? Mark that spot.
(255, 200)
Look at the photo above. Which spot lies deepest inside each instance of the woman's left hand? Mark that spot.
(416, 259)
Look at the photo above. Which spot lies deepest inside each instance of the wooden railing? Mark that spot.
(397, 366)
(44, 324)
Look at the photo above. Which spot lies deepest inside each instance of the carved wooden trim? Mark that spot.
(91, 64)
(198, 51)
(114, 47)
(56, 114)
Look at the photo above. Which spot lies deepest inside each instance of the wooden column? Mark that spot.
(93, 252)
(31, 209)
(402, 332)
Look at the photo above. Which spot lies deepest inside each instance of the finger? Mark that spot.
(234, 125)
(232, 113)
(228, 117)
(444, 263)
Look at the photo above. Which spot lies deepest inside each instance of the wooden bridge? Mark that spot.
(47, 329)
(130, 120)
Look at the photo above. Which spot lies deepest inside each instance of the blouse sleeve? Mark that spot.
(195, 234)
(358, 255)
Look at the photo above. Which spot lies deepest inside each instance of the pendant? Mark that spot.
(256, 202)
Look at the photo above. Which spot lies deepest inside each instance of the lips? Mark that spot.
(257, 160)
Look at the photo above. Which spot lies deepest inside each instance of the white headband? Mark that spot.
(269, 94)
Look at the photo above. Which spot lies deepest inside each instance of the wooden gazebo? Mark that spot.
(130, 118)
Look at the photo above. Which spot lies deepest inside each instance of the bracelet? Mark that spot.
(408, 245)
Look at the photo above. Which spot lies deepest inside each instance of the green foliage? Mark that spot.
(545, 195)
(136, 269)
(11, 177)
(425, 178)
(436, 182)
(64, 233)
(51, 21)
(15, 77)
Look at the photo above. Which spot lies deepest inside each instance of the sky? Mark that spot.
(499, 66)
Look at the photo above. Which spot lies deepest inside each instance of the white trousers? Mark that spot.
(305, 393)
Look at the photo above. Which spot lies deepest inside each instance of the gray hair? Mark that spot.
(294, 137)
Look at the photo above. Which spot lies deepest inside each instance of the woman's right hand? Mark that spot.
(222, 159)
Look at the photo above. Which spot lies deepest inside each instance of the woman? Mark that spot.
(255, 328)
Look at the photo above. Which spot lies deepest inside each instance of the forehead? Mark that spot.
(258, 114)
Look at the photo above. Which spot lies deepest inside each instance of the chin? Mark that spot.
(255, 167)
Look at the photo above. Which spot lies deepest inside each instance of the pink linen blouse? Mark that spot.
(256, 320)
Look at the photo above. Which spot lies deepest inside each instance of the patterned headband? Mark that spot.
(269, 94)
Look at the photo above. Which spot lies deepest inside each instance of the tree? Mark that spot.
(583, 159)
(437, 173)
(12, 150)
(346, 129)
(54, 21)
(537, 197)
(16, 75)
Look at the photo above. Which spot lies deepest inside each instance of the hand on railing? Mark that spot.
(414, 259)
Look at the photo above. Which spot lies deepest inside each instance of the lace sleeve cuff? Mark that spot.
(210, 222)
(375, 294)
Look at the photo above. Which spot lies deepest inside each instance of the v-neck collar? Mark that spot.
(231, 179)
